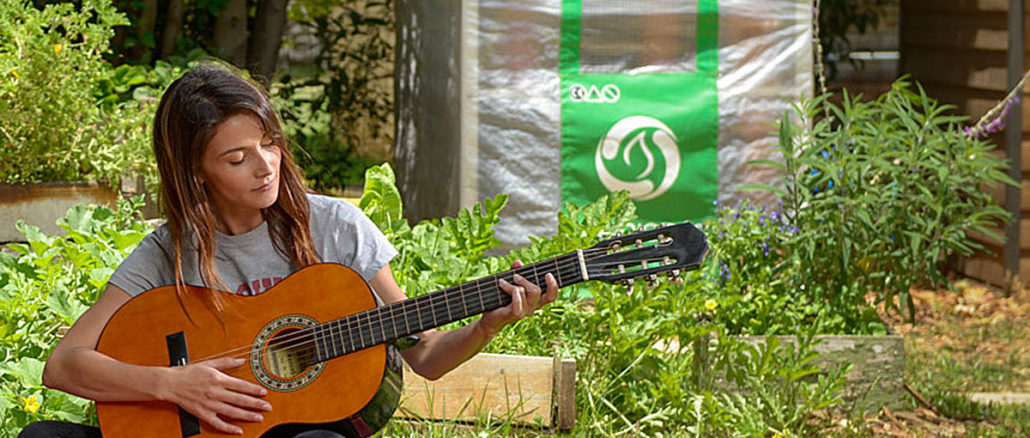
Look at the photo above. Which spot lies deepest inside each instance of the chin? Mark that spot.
(269, 201)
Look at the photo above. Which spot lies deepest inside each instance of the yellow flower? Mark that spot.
(15, 73)
(711, 304)
(57, 49)
(31, 404)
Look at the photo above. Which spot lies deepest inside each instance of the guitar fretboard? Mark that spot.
(394, 321)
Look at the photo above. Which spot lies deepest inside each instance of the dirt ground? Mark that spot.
(972, 339)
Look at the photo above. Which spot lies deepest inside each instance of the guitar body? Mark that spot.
(354, 394)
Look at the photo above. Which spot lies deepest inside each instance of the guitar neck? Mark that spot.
(415, 315)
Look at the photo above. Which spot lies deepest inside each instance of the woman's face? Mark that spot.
(240, 169)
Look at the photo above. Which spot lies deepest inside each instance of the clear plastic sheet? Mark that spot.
(479, 108)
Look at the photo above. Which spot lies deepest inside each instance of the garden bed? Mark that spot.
(876, 378)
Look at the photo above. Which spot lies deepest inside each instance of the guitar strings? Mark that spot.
(383, 314)
(478, 286)
(381, 317)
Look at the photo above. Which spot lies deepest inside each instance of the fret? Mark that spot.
(447, 306)
(432, 309)
(351, 331)
(333, 337)
(461, 293)
(557, 271)
(416, 312)
(393, 322)
(407, 327)
(536, 280)
(382, 325)
(345, 332)
(327, 340)
(370, 325)
(479, 293)
(343, 335)
(361, 331)
(320, 342)
(327, 334)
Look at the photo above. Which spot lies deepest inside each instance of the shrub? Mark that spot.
(52, 127)
(881, 193)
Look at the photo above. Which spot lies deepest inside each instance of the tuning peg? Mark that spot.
(628, 282)
(652, 281)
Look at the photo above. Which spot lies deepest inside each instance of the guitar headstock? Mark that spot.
(670, 249)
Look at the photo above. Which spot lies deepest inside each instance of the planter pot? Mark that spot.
(877, 376)
(44, 203)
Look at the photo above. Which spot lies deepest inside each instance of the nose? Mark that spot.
(268, 162)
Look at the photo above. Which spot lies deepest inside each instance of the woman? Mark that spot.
(240, 220)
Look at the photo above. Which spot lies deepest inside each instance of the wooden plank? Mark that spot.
(985, 70)
(565, 392)
(1024, 234)
(932, 6)
(997, 193)
(496, 386)
(991, 269)
(1000, 152)
(985, 31)
(970, 101)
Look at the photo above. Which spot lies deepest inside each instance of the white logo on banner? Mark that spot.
(662, 139)
(607, 94)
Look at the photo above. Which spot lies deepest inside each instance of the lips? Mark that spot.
(266, 186)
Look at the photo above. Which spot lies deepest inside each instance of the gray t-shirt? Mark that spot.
(249, 264)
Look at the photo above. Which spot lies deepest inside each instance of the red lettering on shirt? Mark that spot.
(257, 286)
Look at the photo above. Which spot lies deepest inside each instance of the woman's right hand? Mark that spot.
(205, 390)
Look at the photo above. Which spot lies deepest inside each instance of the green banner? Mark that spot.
(653, 134)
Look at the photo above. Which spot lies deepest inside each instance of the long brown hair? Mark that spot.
(189, 112)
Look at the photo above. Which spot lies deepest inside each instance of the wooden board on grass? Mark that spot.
(526, 390)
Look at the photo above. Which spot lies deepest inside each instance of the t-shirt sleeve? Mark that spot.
(148, 266)
(354, 240)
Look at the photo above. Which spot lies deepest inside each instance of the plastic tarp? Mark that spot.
(478, 84)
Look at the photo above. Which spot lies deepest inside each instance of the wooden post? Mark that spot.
(1013, 143)
(564, 393)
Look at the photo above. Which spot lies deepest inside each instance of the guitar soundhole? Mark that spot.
(281, 358)
(288, 353)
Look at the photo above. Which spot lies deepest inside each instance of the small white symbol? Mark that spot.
(661, 137)
(609, 93)
(577, 92)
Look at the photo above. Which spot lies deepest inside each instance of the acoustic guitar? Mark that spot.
(319, 343)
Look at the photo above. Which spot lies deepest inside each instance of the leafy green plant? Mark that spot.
(636, 373)
(755, 280)
(880, 193)
(778, 382)
(45, 284)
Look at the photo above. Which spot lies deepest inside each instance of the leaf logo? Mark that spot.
(644, 154)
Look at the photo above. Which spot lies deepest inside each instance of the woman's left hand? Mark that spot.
(526, 298)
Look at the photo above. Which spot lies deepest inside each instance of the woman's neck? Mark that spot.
(236, 223)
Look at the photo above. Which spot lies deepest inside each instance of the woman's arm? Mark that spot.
(202, 389)
(440, 351)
